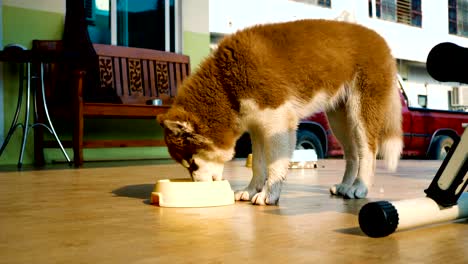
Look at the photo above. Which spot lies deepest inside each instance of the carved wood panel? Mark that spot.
(106, 73)
(162, 77)
(134, 76)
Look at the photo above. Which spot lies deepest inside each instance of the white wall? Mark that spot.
(437, 95)
(57, 6)
(228, 16)
(195, 16)
(414, 43)
(407, 42)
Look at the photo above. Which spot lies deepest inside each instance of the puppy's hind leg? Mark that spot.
(258, 169)
(367, 162)
(343, 131)
(365, 116)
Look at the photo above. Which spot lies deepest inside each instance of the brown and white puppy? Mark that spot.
(264, 79)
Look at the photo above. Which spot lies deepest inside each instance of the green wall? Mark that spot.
(197, 46)
(22, 25)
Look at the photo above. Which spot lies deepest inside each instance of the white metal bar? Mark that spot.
(167, 24)
(46, 111)
(26, 115)
(177, 26)
(374, 9)
(113, 21)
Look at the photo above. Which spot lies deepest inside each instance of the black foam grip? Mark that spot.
(448, 62)
(378, 219)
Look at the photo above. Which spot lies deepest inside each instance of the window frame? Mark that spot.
(388, 11)
(321, 3)
(454, 22)
(176, 32)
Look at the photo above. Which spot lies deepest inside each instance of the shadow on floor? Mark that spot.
(302, 205)
(87, 164)
(139, 191)
(355, 231)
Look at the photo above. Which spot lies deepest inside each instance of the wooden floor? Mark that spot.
(101, 215)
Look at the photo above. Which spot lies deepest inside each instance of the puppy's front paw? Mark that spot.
(265, 198)
(340, 189)
(245, 195)
(358, 190)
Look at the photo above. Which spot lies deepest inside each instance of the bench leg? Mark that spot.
(78, 121)
(78, 141)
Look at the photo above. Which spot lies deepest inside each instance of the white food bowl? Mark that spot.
(303, 158)
(186, 193)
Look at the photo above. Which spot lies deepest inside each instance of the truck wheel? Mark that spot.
(308, 140)
(440, 147)
(243, 146)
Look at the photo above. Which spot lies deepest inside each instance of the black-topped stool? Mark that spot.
(18, 54)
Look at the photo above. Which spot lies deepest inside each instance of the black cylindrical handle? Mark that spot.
(378, 219)
(448, 62)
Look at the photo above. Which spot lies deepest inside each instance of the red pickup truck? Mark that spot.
(428, 133)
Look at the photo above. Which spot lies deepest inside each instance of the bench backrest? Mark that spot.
(138, 75)
(130, 75)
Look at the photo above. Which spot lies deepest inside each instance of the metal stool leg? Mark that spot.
(26, 115)
(26, 126)
(14, 123)
(48, 117)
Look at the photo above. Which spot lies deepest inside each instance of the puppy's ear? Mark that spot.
(184, 128)
(160, 119)
(178, 127)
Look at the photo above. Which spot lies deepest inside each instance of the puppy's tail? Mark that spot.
(391, 145)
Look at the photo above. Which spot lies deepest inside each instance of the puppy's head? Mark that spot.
(188, 145)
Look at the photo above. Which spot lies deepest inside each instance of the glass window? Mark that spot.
(325, 3)
(401, 11)
(388, 10)
(133, 23)
(452, 16)
(458, 17)
(416, 13)
(422, 100)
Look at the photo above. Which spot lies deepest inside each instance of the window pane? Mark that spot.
(326, 3)
(378, 8)
(416, 20)
(452, 14)
(140, 23)
(98, 21)
(416, 5)
(388, 10)
(462, 17)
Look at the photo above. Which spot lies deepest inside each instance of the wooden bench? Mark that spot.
(130, 77)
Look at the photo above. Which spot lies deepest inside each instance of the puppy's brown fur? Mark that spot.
(266, 78)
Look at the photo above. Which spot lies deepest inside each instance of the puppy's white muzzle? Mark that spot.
(208, 171)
